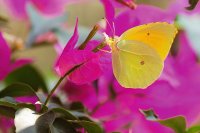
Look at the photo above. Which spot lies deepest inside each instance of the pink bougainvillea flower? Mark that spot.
(6, 65)
(179, 7)
(5, 124)
(138, 16)
(17, 8)
(90, 62)
(124, 3)
(48, 7)
(134, 17)
(85, 94)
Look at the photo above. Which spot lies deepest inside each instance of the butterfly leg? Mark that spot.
(107, 51)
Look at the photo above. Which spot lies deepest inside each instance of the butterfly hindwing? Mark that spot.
(136, 65)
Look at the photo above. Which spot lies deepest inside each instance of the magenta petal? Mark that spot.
(73, 40)
(20, 63)
(186, 53)
(27, 99)
(110, 14)
(141, 15)
(85, 93)
(109, 10)
(61, 65)
(17, 7)
(89, 71)
(3, 74)
(179, 7)
(50, 6)
(161, 15)
(58, 49)
(92, 44)
(120, 5)
(104, 82)
(5, 124)
(4, 53)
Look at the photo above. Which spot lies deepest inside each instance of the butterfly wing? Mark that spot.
(158, 35)
(135, 64)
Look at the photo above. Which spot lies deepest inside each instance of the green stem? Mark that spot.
(58, 83)
(89, 37)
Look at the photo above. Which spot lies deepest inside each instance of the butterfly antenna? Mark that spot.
(113, 32)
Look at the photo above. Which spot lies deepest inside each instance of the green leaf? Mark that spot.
(178, 123)
(44, 122)
(25, 105)
(193, 4)
(9, 107)
(77, 106)
(71, 115)
(194, 129)
(62, 126)
(65, 113)
(16, 105)
(17, 90)
(7, 111)
(8, 101)
(91, 127)
(29, 75)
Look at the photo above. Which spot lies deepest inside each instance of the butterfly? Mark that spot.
(138, 55)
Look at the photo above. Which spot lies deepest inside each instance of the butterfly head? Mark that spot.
(111, 41)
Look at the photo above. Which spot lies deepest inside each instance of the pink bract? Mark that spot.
(5, 124)
(50, 7)
(6, 65)
(70, 57)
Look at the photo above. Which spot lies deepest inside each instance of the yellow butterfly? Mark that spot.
(138, 54)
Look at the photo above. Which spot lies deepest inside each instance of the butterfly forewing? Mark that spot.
(158, 35)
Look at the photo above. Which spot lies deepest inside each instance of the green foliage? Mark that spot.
(64, 113)
(17, 90)
(178, 123)
(78, 106)
(194, 129)
(56, 120)
(44, 122)
(29, 75)
(63, 126)
(8, 106)
(7, 111)
(91, 127)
